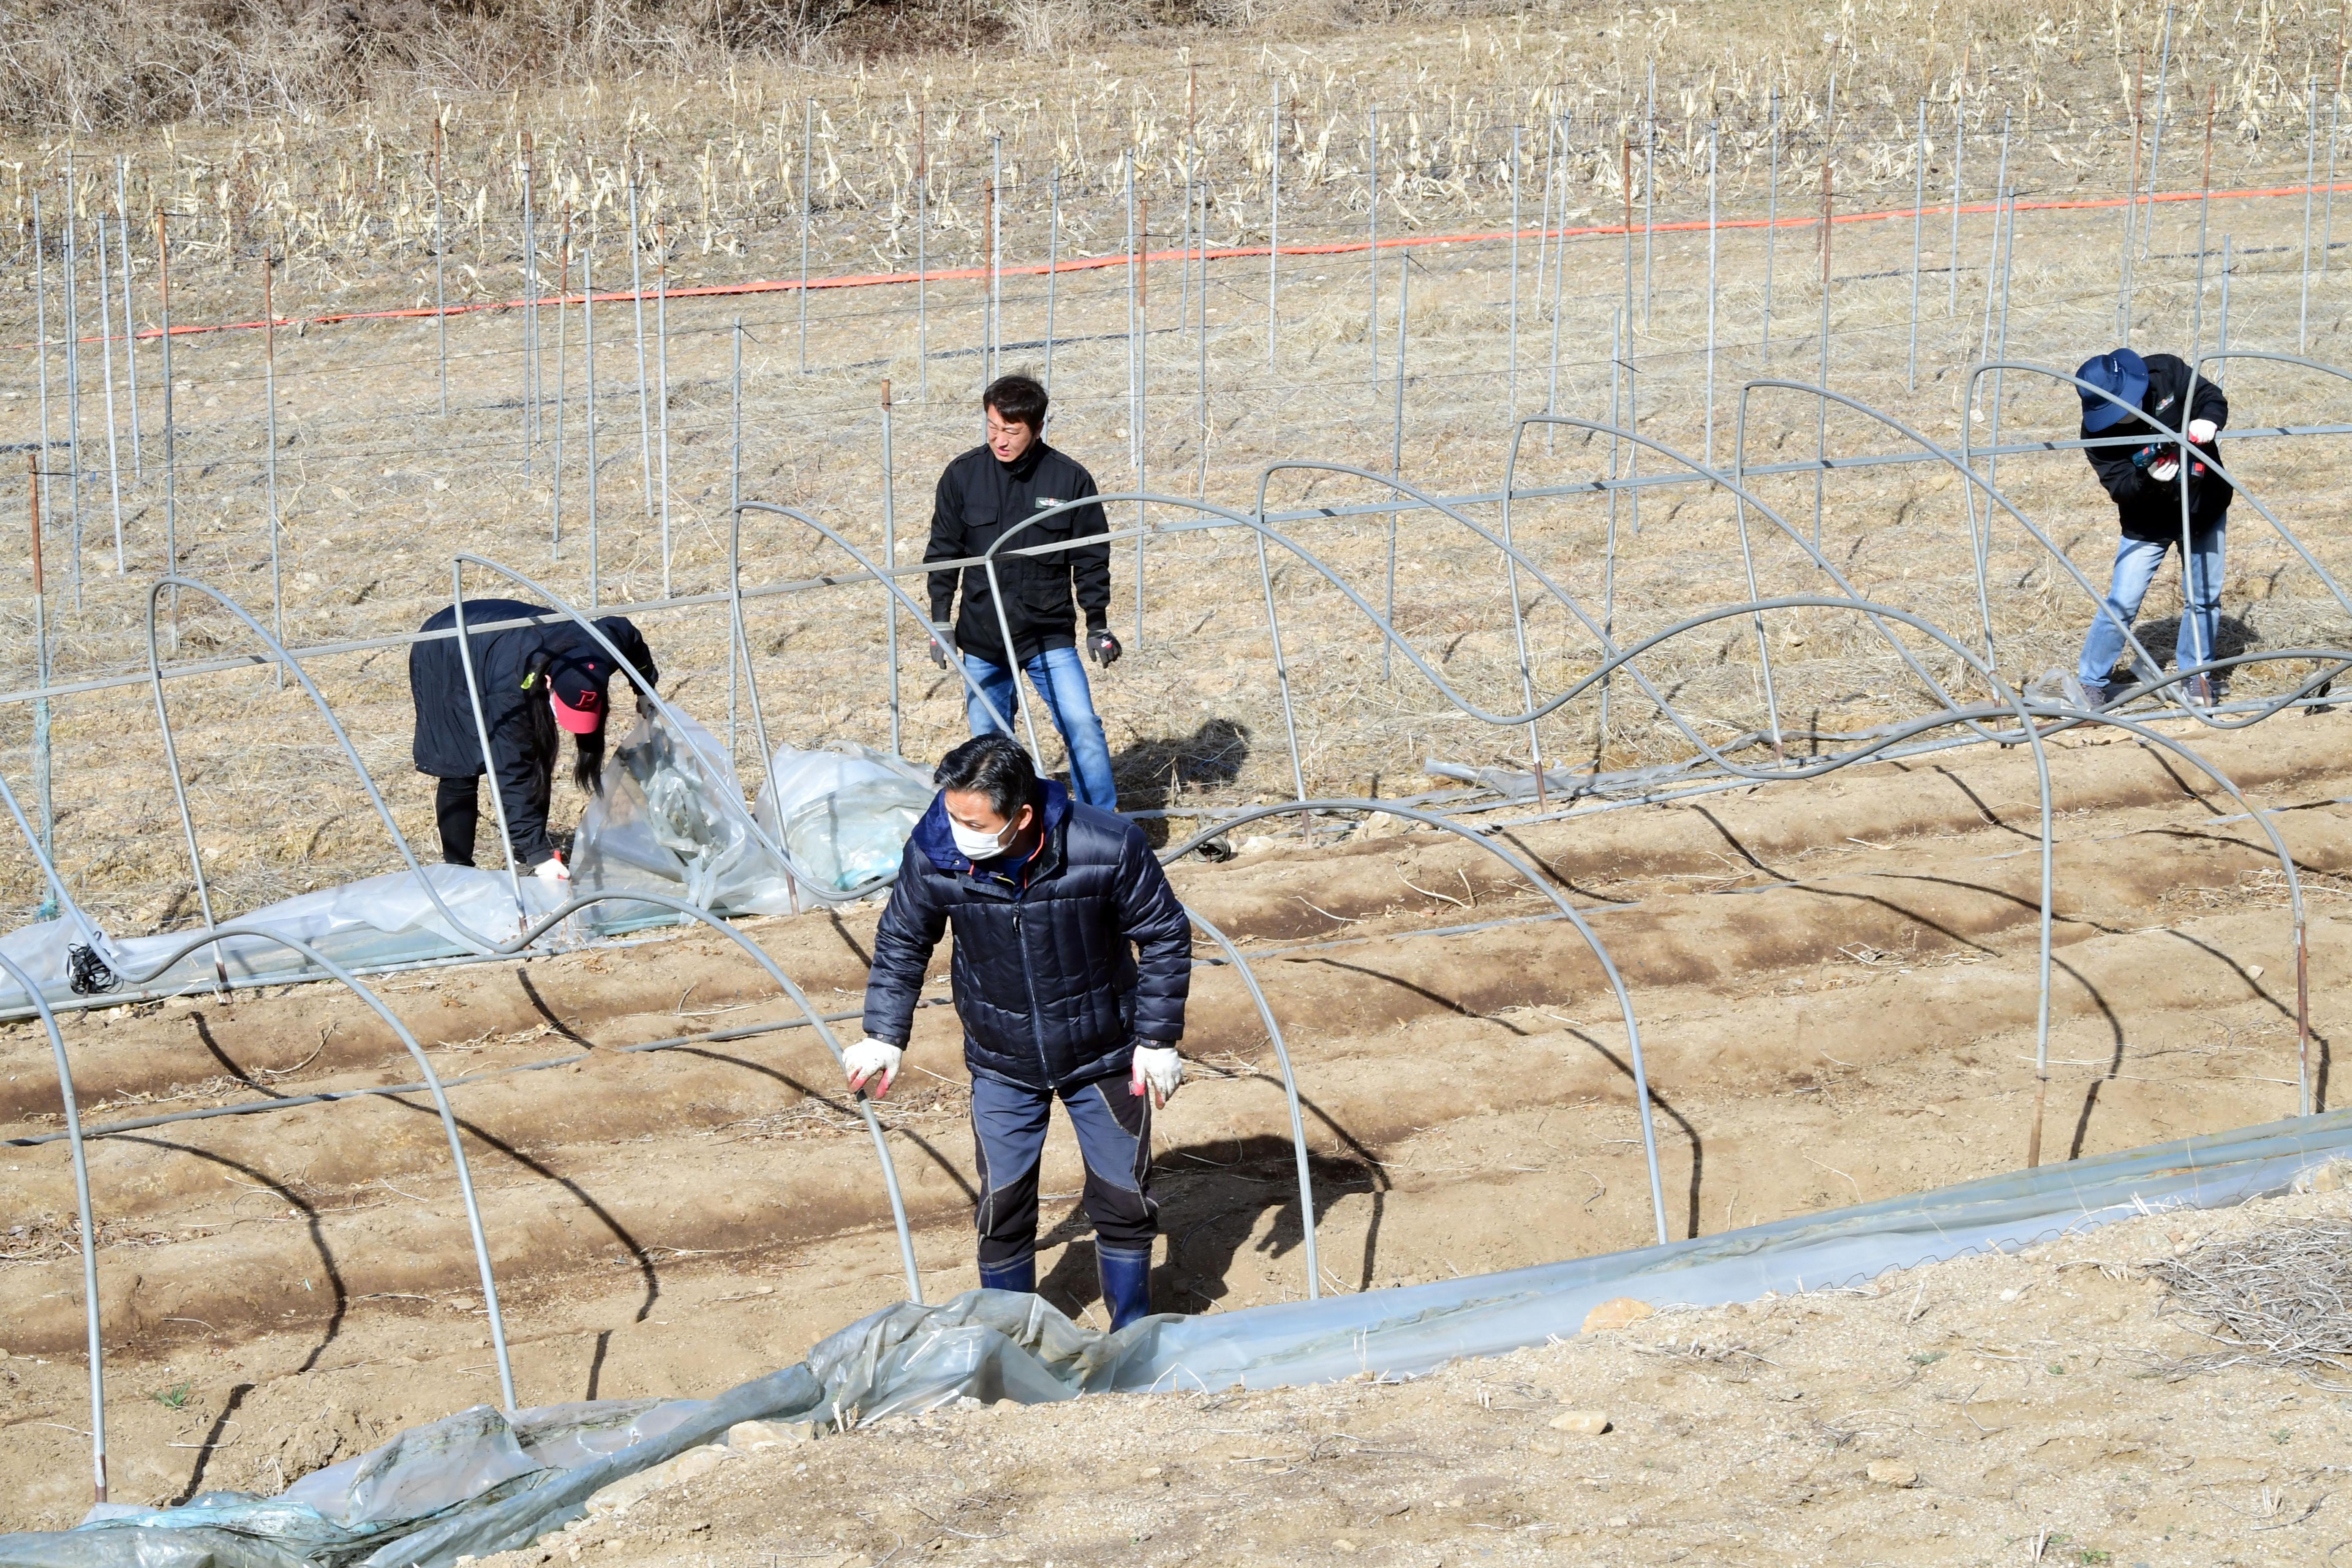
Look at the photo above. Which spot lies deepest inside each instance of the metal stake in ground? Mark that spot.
(2131, 209)
(130, 326)
(2310, 168)
(529, 310)
(2156, 143)
(1960, 127)
(1918, 217)
(922, 258)
(73, 379)
(41, 684)
(1772, 221)
(995, 258)
(2224, 333)
(2327, 200)
(1632, 395)
(661, 362)
(270, 432)
(1372, 250)
(1511, 396)
(891, 560)
(588, 361)
(41, 318)
(1650, 187)
(808, 170)
(440, 300)
(106, 346)
(170, 426)
(1822, 405)
(563, 357)
(1710, 294)
(1396, 452)
(1053, 270)
(1142, 390)
(1201, 407)
(1273, 228)
(637, 303)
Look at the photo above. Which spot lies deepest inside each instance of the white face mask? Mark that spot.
(974, 845)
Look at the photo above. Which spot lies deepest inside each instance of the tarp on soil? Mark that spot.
(372, 923)
(672, 820)
(479, 1482)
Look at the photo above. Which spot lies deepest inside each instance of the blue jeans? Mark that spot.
(2136, 563)
(1060, 676)
(1008, 1135)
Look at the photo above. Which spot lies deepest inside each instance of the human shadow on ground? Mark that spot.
(1154, 774)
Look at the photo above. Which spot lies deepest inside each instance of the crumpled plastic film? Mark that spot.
(843, 816)
(672, 819)
(376, 921)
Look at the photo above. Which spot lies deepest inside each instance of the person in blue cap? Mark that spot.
(2144, 476)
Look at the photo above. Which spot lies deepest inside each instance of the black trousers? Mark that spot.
(457, 807)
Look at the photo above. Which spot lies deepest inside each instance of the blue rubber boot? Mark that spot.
(1126, 1284)
(1019, 1274)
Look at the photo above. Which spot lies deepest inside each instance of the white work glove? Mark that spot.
(2202, 431)
(551, 870)
(1158, 1069)
(2163, 469)
(869, 1058)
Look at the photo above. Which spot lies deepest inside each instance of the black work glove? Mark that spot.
(939, 644)
(1103, 647)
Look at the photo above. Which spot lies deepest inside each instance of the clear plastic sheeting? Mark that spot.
(672, 820)
(843, 816)
(471, 1484)
(378, 920)
(479, 1482)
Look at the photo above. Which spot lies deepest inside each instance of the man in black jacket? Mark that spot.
(983, 495)
(1071, 964)
(535, 681)
(2158, 506)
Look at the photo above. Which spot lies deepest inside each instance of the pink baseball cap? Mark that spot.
(578, 686)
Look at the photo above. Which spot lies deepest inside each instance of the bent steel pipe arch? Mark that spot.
(1290, 1093)
(73, 1134)
(482, 946)
(880, 576)
(1870, 612)
(488, 947)
(88, 1226)
(1591, 939)
(784, 982)
(212, 935)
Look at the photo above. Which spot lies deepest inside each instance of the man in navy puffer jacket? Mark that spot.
(1071, 964)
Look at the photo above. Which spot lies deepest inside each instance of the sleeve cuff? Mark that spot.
(1097, 620)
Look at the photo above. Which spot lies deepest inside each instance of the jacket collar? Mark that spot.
(1023, 468)
(932, 836)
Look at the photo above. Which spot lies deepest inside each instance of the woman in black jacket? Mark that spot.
(537, 682)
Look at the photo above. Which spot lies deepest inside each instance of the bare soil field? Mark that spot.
(1837, 996)
(1836, 981)
(2033, 1408)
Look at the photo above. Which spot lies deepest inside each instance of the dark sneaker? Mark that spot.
(2097, 694)
(2198, 692)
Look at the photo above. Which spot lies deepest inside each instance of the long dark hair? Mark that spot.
(547, 739)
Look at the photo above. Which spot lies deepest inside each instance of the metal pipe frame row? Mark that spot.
(2007, 718)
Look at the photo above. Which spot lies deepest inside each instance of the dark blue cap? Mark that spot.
(2123, 373)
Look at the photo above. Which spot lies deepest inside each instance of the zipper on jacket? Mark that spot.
(1029, 978)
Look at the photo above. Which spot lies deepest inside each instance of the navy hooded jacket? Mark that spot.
(1062, 963)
